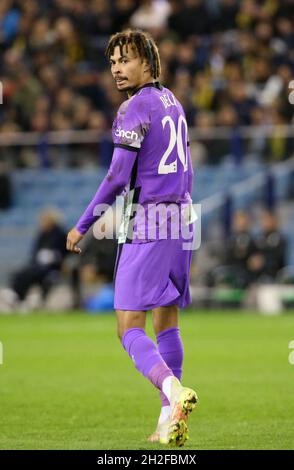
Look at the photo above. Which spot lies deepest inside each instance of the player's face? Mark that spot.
(128, 70)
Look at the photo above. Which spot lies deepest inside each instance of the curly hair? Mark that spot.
(142, 42)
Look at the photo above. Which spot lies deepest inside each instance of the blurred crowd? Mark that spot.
(249, 258)
(228, 61)
(244, 260)
(89, 275)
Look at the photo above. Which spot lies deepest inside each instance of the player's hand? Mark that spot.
(73, 238)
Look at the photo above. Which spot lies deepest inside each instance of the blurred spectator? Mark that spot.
(224, 57)
(189, 17)
(99, 21)
(69, 43)
(271, 249)
(27, 92)
(248, 260)
(207, 149)
(46, 259)
(279, 147)
(226, 14)
(257, 144)
(203, 94)
(240, 248)
(94, 265)
(241, 100)
(151, 15)
(123, 10)
(9, 22)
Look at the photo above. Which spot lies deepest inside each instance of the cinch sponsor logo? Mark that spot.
(128, 134)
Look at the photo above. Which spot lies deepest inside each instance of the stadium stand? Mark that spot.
(231, 70)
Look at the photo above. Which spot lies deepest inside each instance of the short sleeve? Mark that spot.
(131, 124)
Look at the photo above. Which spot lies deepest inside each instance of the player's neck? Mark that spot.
(134, 90)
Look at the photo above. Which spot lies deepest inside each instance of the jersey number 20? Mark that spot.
(175, 139)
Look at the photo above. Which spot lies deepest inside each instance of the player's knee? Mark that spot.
(165, 318)
(129, 320)
(133, 321)
(121, 330)
(160, 326)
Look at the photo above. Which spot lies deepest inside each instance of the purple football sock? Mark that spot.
(170, 347)
(145, 355)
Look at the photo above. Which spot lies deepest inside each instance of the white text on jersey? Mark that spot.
(168, 100)
(127, 134)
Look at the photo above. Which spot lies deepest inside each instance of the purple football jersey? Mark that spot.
(151, 161)
(153, 123)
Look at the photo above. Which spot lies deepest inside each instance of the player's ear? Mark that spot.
(147, 68)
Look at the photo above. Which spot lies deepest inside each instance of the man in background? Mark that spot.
(46, 259)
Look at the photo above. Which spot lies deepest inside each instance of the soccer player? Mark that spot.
(151, 158)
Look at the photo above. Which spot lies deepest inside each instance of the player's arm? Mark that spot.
(130, 128)
(113, 184)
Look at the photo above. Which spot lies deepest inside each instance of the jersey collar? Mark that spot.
(151, 84)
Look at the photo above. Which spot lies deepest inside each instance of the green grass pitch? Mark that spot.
(66, 383)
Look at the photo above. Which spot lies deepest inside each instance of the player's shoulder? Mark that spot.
(174, 99)
(170, 101)
(136, 103)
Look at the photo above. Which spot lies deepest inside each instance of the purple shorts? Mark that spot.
(152, 274)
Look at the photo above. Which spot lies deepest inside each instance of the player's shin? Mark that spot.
(170, 347)
(146, 356)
